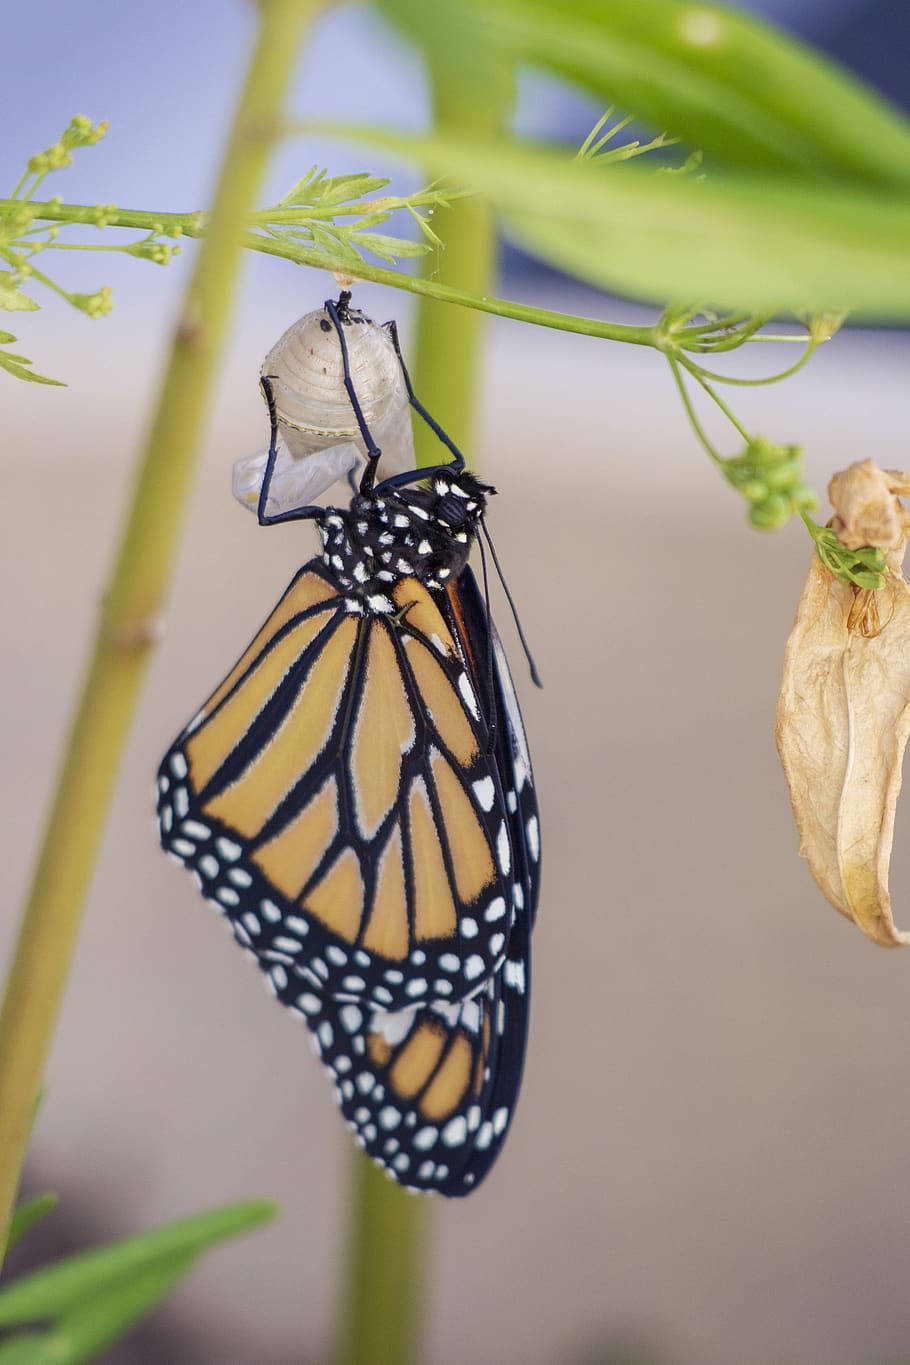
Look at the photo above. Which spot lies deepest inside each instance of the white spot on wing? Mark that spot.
(503, 852)
(393, 1027)
(455, 1131)
(467, 692)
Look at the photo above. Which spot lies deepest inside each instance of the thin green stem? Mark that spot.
(586, 146)
(48, 283)
(131, 612)
(731, 417)
(690, 410)
(729, 341)
(781, 336)
(87, 246)
(17, 190)
(811, 347)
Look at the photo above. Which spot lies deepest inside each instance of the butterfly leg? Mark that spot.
(296, 513)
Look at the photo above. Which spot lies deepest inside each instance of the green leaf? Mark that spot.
(390, 248)
(12, 299)
(764, 244)
(16, 366)
(64, 1286)
(325, 239)
(30, 1213)
(95, 1325)
(750, 95)
(348, 189)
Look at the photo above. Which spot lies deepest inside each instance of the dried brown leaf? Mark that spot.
(844, 710)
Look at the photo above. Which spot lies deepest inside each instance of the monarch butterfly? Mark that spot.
(356, 796)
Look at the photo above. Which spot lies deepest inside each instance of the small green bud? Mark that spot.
(95, 305)
(104, 215)
(761, 451)
(781, 477)
(59, 156)
(771, 513)
(754, 490)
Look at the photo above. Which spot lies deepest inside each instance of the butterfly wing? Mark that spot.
(430, 1092)
(471, 621)
(335, 799)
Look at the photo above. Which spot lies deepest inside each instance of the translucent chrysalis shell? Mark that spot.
(319, 440)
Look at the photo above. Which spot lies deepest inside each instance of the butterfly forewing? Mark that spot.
(336, 800)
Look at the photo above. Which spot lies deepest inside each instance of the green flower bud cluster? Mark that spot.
(104, 215)
(770, 478)
(81, 132)
(150, 249)
(97, 305)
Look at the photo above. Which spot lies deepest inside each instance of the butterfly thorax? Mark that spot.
(425, 533)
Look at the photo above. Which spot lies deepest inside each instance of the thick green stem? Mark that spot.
(388, 1233)
(130, 617)
(382, 1290)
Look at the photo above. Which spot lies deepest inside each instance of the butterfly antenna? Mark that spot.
(535, 676)
(491, 664)
(338, 312)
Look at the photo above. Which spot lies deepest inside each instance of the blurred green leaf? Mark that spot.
(12, 299)
(30, 1213)
(96, 1324)
(63, 1287)
(17, 366)
(748, 94)
(389, 248)
(27, 1348)
(758, 243)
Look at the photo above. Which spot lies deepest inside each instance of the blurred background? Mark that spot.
(707, 1164)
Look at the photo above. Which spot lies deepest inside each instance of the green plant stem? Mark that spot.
(690, 411)
(698, 375)
(194, 225)
(382, 1286)
(388, 1228)
(130, 615)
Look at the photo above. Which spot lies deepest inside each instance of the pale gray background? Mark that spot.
(708, 1160)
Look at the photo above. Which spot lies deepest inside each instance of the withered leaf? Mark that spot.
(844, 710)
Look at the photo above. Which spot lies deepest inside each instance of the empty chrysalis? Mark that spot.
(319, 440)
